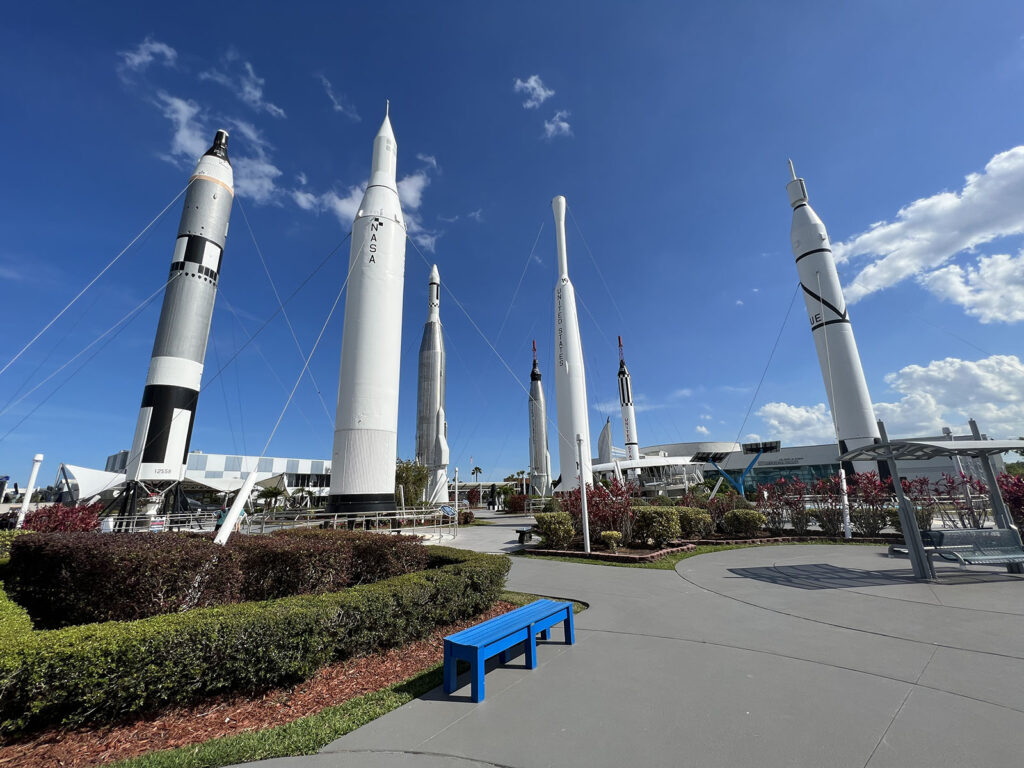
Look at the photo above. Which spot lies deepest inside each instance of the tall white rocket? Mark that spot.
(366, 426)
(570, 377)
(540, 459)
(841, 369)
(628, 413)
(431, 427)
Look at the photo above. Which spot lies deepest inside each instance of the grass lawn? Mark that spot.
(307, 735)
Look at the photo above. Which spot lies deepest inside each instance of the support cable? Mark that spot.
(284, 313)
(768, 364)
(515, 293)
(93, 281)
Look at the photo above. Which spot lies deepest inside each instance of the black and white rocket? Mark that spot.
(366, 426)
(164, 430)
(628, 412)
(431, 427)
(847, 389)
(570, 377)
(540, 459)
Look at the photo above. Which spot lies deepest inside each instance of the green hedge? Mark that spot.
(744, 522)
(103, 672)
(658, 524)
(14, 620)
(556, 529)
(695, 522)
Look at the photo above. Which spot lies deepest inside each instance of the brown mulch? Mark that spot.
(228, 715)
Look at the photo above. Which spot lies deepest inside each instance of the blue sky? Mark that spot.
(666, 125)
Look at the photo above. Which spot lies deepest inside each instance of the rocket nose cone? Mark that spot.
(385, 127)
(558, 206)
(435, 277)
(220, 146)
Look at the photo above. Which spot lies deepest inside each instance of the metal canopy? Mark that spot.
(919, 450)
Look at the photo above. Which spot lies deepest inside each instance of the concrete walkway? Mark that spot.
(497, 538)
(771, 656)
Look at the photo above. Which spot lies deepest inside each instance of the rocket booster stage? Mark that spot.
(830, 323)
(540, 459)
(431, 427)
(628, 413)
(366, 427)
(164, 430)
(570, 379)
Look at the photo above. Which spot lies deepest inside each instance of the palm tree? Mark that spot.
(476, 472)
(270, 497)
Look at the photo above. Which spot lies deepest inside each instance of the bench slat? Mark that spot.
(506, 623)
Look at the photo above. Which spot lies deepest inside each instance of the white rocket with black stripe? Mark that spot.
(628, 412)
(829, 317)
(366, 426)
(164, 430)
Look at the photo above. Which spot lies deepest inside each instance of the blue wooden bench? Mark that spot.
(501, 635)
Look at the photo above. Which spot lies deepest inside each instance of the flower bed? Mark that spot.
(617, 557)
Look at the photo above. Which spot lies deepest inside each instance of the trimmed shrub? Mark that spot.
(104, 672)
(59, 518)
(466, 516)
(556, 529)
(654, 501)
(14, 621)
(472, 498)
(6, 537)
(611, 539)
(695, 523)
(658, 525)
(77, 578)
(516, 502)
(744, 523)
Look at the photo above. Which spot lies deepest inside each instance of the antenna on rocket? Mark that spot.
(534, 350)
(622, 359)
(387, 111)
(792, 172)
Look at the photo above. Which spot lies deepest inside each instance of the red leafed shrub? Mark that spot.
(375, 556)
(59, 518)
(870, 503)
(828, 505)
(516, 503)
(608, 509)
(1012, 488)
(78, 578)
(473, 497)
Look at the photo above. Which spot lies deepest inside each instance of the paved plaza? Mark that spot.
(796, 655)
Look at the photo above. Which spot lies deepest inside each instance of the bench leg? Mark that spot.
(570, 633)
(531, 651)
(1015, 567)
(545, 634)
(451, 665)
(478, 678)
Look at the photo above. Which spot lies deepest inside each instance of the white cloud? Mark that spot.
(189, 141)
(557, 125)
(536, 92)
(307, 201)
(478, 215)
(338, 103)
(739, 302)
(145, 53)
(752, 437)
(798, 424)
(301, 179)
(428, 160)
(685, 392)
(410, 189)
(245, 83)
(255, 174)
(345, 208)
(942, 393)
(706, 416)
(929, 232)
(992, 291)
(702, 430)
(640, 404)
